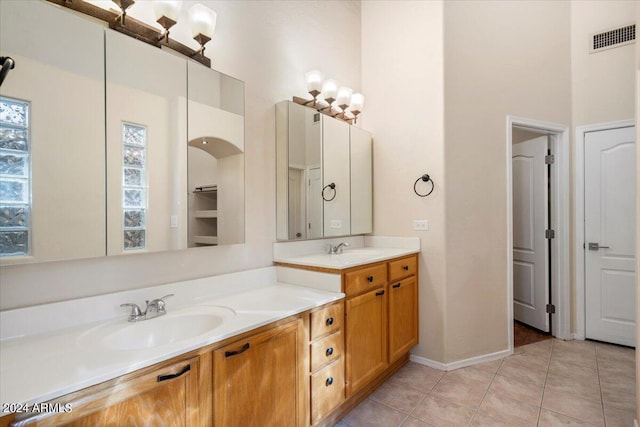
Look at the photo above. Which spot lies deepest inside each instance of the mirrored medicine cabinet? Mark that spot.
(110, 146)
(323, 175)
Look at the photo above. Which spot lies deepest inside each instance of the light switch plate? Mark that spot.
(174, 221)
(421, 224)
(336, 223)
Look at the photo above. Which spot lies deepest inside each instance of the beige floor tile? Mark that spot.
(471, 375)
(618, 417)
(440, 412)
(397, 395)
(587, 360)
(531, 359)
(614, 352)
(569, 404)
(456, 391)
(615, 373)
(574, 345)
(491, 366)
(584, 389)
(501, 407)
(373, 414)
(484, 420)
(522, 391)
(528, 374)
(620, 398)
(553, 419)
(558, 367)
(416, 376)
(414, 422)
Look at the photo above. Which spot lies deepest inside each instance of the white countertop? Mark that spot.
(39, 367)
(348, 258)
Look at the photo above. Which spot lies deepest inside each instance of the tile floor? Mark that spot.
(548, 383)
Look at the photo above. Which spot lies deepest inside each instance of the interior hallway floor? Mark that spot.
(524, 334)
(548, 383)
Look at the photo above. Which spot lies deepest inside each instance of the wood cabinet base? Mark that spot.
(361, 394)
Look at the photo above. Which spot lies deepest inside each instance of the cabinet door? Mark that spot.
(257, 380)
(361, 181)
(366, 338)
(335, 169)
(403, 317)
(167, 396)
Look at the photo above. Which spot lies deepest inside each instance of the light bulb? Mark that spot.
(329, 89)
(357, 102)
(202, 20)
(314, 81)
(167, 8)
(344, 96)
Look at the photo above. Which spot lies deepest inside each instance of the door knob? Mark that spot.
(596, 246)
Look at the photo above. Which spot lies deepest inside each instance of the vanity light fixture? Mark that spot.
(202, 21)
(203, 24)
(167, 13)
(348, 103)
(123, 5)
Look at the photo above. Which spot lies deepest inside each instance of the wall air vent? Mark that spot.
(613, 38)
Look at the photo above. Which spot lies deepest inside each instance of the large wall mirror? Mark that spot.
(323, 175)
(110, 146)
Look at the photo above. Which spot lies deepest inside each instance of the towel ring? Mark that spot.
(424, 178)
(332, 186)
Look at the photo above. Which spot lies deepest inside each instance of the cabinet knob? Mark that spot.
(405, 267)
(379, 293)
(329, 351)
(397, 285)
(329, 381)
(329, 321)
(370, 279)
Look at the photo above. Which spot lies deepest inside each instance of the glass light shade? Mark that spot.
(329, 89)
(357, 102)
(344, 95)
(167, 8)
(202, 20)
(314, 80)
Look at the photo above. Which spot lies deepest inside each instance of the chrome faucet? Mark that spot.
(154, 308)
(337, 249)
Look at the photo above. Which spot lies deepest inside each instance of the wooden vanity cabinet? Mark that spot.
(163, 395)
(403, 317)
(257, 381)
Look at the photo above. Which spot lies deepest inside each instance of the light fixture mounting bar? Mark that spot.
(323, 109)
(132, 28)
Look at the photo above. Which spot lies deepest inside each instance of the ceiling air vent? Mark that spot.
(613, 38)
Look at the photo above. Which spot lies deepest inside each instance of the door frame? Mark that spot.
(560, 262)
(579, 249)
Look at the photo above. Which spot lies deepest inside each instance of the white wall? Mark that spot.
(501, 58)
(402, 79)
(269, 45)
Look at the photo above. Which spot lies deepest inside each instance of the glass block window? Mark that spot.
(134, 186)
(15, 177)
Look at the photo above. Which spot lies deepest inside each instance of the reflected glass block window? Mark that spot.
(134, 186)
(15, 177)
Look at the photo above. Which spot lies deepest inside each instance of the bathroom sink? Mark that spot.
(164, 330)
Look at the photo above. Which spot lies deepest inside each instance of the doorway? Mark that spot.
(538, 226)
(605, 232)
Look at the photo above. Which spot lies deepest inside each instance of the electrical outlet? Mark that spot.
(336, 223)
(421, 224)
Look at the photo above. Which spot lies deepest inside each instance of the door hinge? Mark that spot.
(549, 159)
(551, 309)
(549, 234)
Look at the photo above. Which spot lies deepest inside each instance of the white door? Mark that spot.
(610, 217)
(530, 247)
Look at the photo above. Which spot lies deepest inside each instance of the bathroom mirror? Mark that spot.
(100, 164)
(323, 175)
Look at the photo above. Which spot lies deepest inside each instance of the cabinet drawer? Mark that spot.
(365, 279)
(404, 267)
(326, 320)
(327, 390)
(326, 350)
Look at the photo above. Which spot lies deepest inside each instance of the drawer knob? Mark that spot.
(405, 267)
(397, 285)
(329, 321)
(329, 351)
(329, 381)
(379, 293)
(370, 279)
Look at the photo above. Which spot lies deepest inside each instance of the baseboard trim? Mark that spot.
(635, 423)
(460, 363)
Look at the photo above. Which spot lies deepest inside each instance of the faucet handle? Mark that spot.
(136, 313)
(165, 297)
(159, 303)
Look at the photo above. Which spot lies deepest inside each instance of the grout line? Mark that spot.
(604, 418)
(484, 395)
(544, 385)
